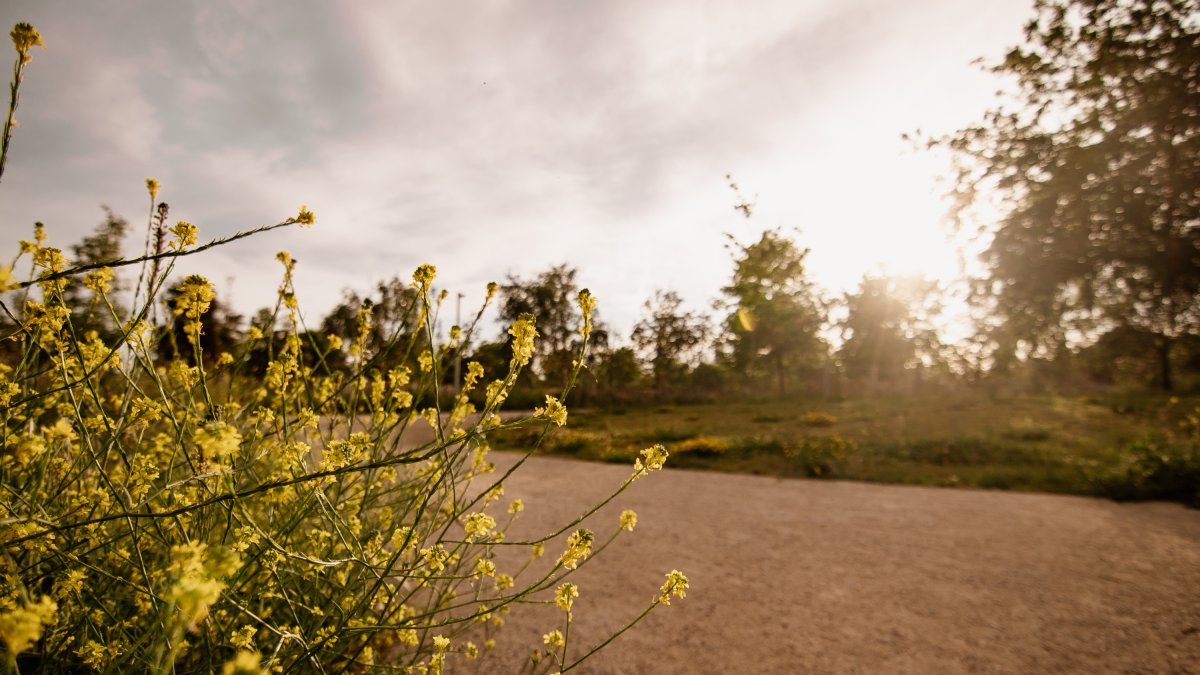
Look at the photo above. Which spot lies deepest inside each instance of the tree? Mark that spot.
(775, 324)
(219, 331)
(1099, 170)
(888, 327)
(669, 339)
(552, 298)
(393, 334)
(103, 245)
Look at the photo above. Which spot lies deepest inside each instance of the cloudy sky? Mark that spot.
(496, 137)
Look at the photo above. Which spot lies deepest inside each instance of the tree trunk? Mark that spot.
(779, 374)
(1165, 381)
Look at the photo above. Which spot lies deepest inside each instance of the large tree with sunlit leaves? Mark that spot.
(1093, 163)
(773, 330)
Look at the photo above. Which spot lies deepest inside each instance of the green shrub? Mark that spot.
(1156, 467)
(966, 451)
(1026, 429)
(179, 515)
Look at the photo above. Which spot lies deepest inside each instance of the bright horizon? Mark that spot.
(502, 138)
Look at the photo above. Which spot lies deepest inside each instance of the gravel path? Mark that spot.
(822, 576)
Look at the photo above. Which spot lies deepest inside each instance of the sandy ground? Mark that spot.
(820, 576)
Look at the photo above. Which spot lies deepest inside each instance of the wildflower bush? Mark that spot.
(183, 514)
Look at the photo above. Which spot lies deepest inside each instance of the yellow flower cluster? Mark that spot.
(628, 520)
(198, 572)
(554, 411)
(21, 626)
(554, 639)
(185, 235)
(587, 305)
(217, 440)
(564, 596)
(479, 525)
(25, 37)
(195, 297)
(305, 217)
(244, 663)
(579, 547)
(652, 459)
(676, 585)
(423, 276)
(524, 332)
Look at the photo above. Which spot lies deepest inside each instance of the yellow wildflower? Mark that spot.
(6, 278)
(218, 440)
(484, 568)
(245, 663)
(628, 520)
(579, 547)
(21, 627)
(587, 305)
(676, 585)
(479, 525)
(564, 596)
(554, 638)
(24, 37)
(423, 275)
(524, 332)
(554, 411)
(652, 459)
(243, 637)
(185, 235)
(305, 217)
(435, 557)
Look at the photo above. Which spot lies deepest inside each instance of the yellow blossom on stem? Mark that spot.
(244, 663)
(675, 585)
(587, 305)
(628, 520)
(25, 37)
(524, 332)
(579, 547)
(554, 411)
(564, 596)
(185, 235)
(652, 459)
(479, 525)
(305, 217)
(554, 639)
(21, 627)
(484, 568)
(424, 275)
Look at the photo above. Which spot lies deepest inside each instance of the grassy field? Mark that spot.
(1077, 445)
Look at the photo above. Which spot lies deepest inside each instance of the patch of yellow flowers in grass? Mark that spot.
(213, 513)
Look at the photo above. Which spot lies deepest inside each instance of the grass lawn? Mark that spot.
(1023, 442)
